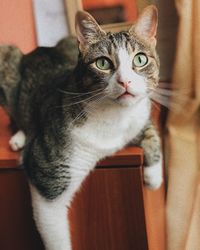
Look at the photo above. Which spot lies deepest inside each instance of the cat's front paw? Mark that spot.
(153, 176)
(17, 141)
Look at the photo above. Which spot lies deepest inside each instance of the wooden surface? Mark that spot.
(8, 158)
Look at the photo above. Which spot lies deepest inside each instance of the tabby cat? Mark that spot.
(76, 104)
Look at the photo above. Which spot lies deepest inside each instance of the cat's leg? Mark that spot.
(151, 145)
(51, 220)
(17, 141)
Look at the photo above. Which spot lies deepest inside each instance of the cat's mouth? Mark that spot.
(126, 94)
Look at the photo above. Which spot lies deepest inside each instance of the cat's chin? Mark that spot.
(127, 99)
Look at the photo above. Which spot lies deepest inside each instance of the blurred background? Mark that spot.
(43, 23)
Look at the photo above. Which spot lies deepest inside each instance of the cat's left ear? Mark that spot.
(87, 29)
(146, 24)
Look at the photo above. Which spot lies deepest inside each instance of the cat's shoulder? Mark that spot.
(63, 54)
(41, 54)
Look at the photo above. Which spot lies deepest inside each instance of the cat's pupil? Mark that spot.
(103, 62)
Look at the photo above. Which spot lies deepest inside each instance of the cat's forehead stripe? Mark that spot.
(119, 39)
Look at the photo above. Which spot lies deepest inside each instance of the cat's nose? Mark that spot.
(124, 84)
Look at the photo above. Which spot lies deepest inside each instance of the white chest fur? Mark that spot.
(109, 128)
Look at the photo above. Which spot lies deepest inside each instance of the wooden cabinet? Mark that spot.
(112, 210)
(108, 212)
(17, 229)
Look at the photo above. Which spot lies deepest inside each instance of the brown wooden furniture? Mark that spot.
(112, 211)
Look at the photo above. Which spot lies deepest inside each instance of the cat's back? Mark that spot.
(47, 63)
(42, 70)
(41, 64)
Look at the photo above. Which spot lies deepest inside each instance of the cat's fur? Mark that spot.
(74, 114)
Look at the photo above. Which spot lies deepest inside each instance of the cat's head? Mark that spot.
(119, 66)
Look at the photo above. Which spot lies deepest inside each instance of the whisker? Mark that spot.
(165, 85)
(82, 100)
(181, 95)
(164, 100)
(90, 109)
(92, 105)
(80, 115)
(85, 100)
(173, 87)
(96, 102)
(155, 104)
(170, 98)
(167, 102)
(165, 92)
(81, 95)
(78, 93)
(173, 99)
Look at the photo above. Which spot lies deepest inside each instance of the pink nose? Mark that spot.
(124, 84)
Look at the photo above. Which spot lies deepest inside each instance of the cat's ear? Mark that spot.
(87, 29)
(146, 24)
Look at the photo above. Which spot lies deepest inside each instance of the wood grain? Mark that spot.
(108, 212)
(17, 228)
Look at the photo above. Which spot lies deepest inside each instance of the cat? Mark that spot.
(75, 104)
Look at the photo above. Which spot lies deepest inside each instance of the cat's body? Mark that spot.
(75, 115)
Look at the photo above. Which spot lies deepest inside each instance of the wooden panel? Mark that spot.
(17, 229)
(130, 156)
(108, 211)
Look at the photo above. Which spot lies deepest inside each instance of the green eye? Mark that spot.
(140, 60)
(103, 63)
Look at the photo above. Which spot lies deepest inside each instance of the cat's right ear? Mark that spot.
(146, 24)
(87, 29)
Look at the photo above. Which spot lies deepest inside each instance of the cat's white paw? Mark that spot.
(17, 141)
(153, 176)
